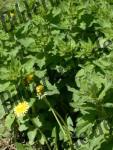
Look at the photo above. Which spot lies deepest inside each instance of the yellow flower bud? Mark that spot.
(28, 79)
(40, 89)
(12, 14)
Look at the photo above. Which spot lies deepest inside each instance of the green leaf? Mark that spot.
(27, 42)
(51, 89)
(70, 124)
(2, 110)
(37, 122)
(40, 73)
(108, 105)
(4, 86)
(28, 65)
(19, 146)
(23, 127)
(83, 126)
(42, 140)
(31, 136)
(9, 120)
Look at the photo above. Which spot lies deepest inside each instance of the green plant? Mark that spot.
(59, 61)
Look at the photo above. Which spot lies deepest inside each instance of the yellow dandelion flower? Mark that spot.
(29, 78)
(40, 89)
(21, 109)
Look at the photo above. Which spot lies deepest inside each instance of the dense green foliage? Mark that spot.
(67, 47)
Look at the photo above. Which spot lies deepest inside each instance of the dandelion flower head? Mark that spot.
(21, 109)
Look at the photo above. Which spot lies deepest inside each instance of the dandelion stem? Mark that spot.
(54, 115)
